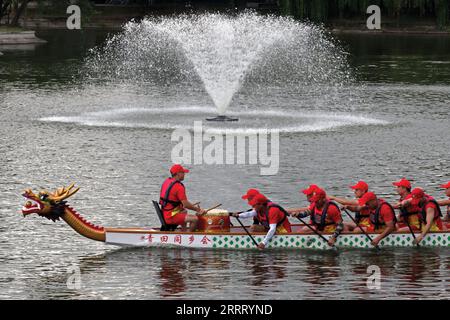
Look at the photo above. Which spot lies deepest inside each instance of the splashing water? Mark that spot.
(222, 52)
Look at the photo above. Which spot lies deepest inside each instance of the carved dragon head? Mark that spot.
(47, 204)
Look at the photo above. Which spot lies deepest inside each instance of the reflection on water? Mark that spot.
(176, 273)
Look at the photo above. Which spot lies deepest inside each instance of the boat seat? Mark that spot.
(164, 225)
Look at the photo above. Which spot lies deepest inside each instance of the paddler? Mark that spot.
(427, 217)
(174, 202)
(361, 213)
(446, 202)
(381, 216)
(305, 211)
(272, 217)
(309, 193)
(256, 227)
(325, 215)
(403, 188)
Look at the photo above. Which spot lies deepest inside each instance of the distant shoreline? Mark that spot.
(107, 26)
(9, 36)
(115, 23)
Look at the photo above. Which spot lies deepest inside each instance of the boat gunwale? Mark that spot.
(156, 231)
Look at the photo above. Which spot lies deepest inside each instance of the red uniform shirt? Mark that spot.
(412, 207)
(437, 218)
(364, 212)
(313, 204)
(333, 214)
(275, 216)
(386, 214)
(177, 193)
(432, 205)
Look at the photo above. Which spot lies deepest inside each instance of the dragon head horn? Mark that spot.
(64, 193)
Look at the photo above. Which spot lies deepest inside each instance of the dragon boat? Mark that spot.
(215, 231)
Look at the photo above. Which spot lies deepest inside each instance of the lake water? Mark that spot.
(114, 142)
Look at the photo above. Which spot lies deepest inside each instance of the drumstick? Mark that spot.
(216, 206)
(196, 204)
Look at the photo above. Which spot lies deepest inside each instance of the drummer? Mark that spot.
(174, 202)
(446, 202)
(272, 217)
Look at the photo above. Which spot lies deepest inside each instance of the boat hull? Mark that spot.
(238, 240)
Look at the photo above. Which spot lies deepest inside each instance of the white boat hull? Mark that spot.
(238, 240)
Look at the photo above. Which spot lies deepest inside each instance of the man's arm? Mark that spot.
(443, 203)
(430, 219)
(402, 204)
(337, 232)
(426, 229)
(297, 210)
(336, 216)
(190, 206)
(353, 208)
(246, 214)
(390, 227)
(344, 201)
(270, 234)
(300, 214)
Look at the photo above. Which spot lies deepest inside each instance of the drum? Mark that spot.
(216, 220)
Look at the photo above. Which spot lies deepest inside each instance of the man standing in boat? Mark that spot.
(446, 202)
(272, 217)
(325, 215)
(428, 214)
(381, 216)
(174, 202)
(361, 213)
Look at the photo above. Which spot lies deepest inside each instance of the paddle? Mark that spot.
(405, 217)
(248, 233)
(360, 228)
(403, 213)
(315, 231)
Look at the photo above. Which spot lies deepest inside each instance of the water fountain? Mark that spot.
(219, 53)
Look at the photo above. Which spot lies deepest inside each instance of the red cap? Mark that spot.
(318, 194)
(258, 199)
(250, 194)
(311, 189)
(178, 168)
(366, 198)
(361, 185)
(446, 186)
(417, 193)
(403, 183)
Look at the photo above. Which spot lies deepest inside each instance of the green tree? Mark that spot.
(12, 7)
